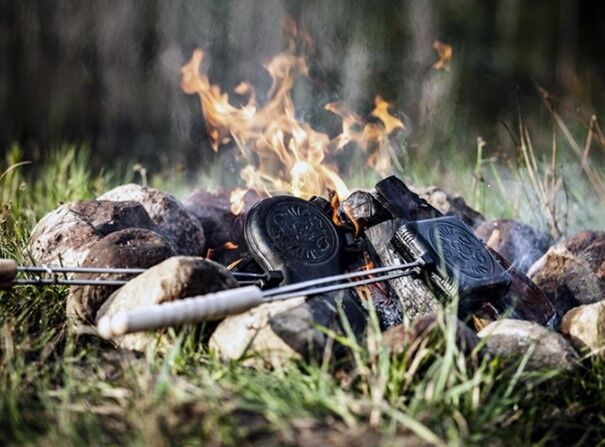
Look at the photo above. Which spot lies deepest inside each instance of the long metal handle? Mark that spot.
(196, 309)
(301, 286)
(68, 282)
(334, 287)
(51, 270)
(215, 306)
(8, 272)
(9, 265)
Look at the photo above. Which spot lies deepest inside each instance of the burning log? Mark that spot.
(401, 202)
(525, 299)
(411, 296)
(363, 210)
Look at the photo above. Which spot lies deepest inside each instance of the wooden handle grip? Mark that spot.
(209, 307)
(8, 272)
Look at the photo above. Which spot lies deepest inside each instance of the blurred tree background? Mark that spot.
(107, 72)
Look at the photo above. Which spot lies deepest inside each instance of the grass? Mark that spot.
(58, 388)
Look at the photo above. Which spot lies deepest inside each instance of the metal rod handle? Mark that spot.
(68, 282)
(300, 286)
(8, 272)
(196, 309)
(52, 269)
(285, 295)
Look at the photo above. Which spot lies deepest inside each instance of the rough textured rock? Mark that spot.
(449, 205)
(224, 230)
(170, 217)
(400, 336)
(129, 248)
(572, 272)
(175, 278)
(513, 338)
(63, 235)
(585, 326)
(519, 243)
(250, 335)
(281, 331)
(213, 211)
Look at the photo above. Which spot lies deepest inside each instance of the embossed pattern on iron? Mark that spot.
(461, 250)
(302, 232)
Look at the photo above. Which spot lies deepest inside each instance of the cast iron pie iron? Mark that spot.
(297, 238)
(461, 265)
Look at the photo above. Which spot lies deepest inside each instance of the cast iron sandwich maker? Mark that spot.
(297, 238)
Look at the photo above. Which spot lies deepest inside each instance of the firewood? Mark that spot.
(524, 298)
(410, 296)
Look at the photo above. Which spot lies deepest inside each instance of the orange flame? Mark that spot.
(283, 153)
(237, 200)
(371, 137)
(444, 54)
(210, 254)
(336, 216)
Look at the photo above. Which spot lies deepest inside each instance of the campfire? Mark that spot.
(302, 223)
(292, 249)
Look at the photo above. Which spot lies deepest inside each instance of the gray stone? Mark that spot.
(175, 278)
(520, 244)
(572, 272)
(224, 230)
(449, 205)
(64, 235)
(585, 326)
(512, 339)
(398, 337)
(281, 331)
(213, 211)
(106, 216)
(170, 217)
(129, 248)
(249, 336)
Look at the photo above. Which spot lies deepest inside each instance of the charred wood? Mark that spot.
(410, 297)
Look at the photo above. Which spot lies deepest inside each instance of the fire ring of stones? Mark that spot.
(462, 250)
(302, 232)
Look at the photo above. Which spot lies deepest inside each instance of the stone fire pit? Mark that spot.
(133, 226)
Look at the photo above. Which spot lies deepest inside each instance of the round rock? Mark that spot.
(519, 243)
(284, 330)
(450, 205)
(585, 326)
(224, 230)
(509, 338)
(129, 248)
(572, 272)
(169, 216)
(175, 278)
(398, 337)
(213, 212)
(64, 235)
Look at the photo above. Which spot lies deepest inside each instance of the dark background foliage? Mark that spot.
(107, 72)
